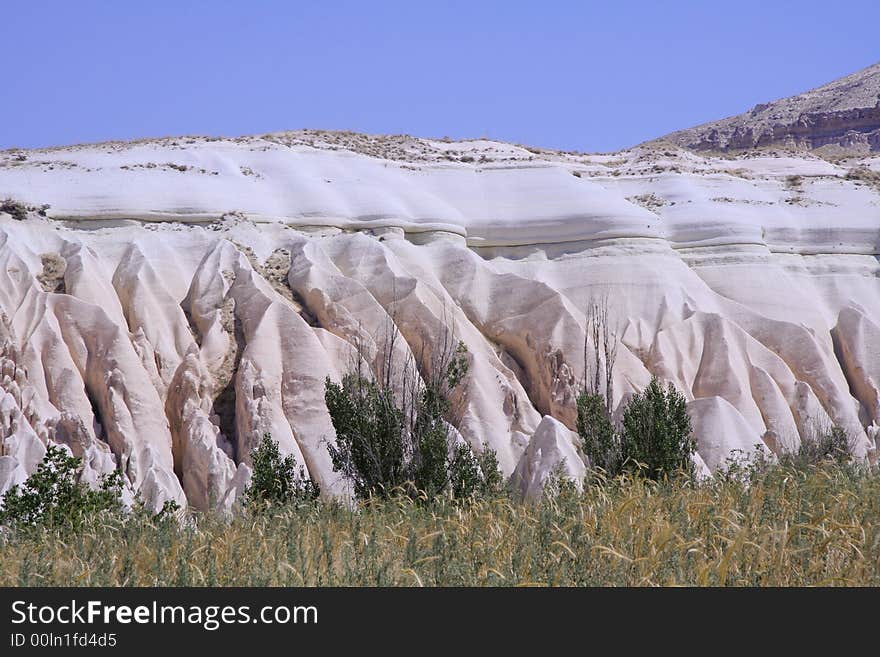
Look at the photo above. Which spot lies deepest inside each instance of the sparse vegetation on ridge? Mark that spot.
(866, 176)
(794, 182)
(650, 202)
(19, 211)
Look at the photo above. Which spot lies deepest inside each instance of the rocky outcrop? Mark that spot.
(160, 320)
(843, 114)
(552, 452)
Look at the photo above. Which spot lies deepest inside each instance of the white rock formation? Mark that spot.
(552, 452)
(183, 297)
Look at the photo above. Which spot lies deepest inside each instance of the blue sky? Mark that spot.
(590, 76)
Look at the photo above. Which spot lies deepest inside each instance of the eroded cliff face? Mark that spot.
(183, 297)
(844, 114)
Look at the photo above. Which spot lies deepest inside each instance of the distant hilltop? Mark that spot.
(843, 115)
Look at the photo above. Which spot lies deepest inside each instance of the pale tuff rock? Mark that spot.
(203, 457)
(723, 432)
(854, 334)
(873, 432)
(22, 449)
(161, 320)
(551, 452)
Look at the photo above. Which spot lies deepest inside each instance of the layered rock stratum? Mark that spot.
(841, 115)
(181, 297)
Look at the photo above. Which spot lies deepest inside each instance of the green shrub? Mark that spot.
(475, 475)
(655, 439)
(831, 444)
(600, 441)
(54, 495)
(656, 435)
(369, 449)
(275, 480)
(385, 444)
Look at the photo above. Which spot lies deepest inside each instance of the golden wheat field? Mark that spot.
(783, 527)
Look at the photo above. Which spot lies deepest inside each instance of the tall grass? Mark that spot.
(785, 526)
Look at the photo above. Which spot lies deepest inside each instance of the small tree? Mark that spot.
(599, 439)
(55, 496)
(369, 449)
(595, 404)
(275, 480)
(475, 475)
(656, 435)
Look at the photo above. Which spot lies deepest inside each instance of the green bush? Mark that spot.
(656, 434)
(54, 495)
(369, 449)
(831, 444)
(385, 444)
(275, 481)
(475, 475)
(600, 441)
(655, 439)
